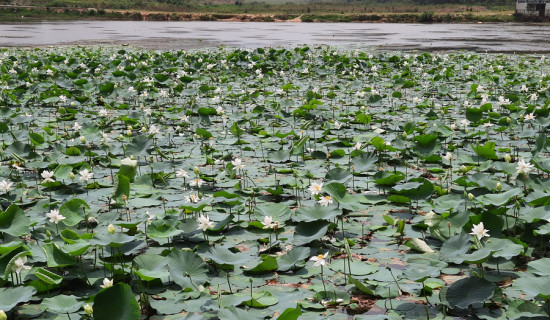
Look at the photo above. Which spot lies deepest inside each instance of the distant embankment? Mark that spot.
(26, 13)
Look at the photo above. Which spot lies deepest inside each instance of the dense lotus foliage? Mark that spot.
(302, 183)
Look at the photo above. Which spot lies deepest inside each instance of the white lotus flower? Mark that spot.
(237, 164)
(337, 125)
(107, 283)
(19, 265)
(529, 117)
(47, 176)
(192, 198)
(448, 156)
(76, 126)
(54, 216)
(129, 162)
(204, 223)
(319, 260)
(523, 167)
(153, 130)
(268, 222)
(5, 186)
(85, 175)
(357, 146)
(524, 88)
(464, 122)
(105, 137)
(182, 174)
(479, 231)
(315, 188)
(196, 182)
(103, 112)
(150, 217)
(325, 201)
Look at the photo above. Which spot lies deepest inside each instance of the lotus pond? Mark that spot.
(302, 183)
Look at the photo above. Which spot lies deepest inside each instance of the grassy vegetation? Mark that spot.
(272, 10)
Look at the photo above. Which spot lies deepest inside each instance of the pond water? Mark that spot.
(509, 38)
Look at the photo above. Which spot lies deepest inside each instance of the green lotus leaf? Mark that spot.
(10, 297)
(14, 222)
(47, 276)
(55, 257)
(116, 303)
(293, 259)
(307, 232)
(316, 212)
(74, 211)
(187, 269)
(465, 292)
(61, 304)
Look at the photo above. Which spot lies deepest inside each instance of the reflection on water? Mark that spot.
(198, 34)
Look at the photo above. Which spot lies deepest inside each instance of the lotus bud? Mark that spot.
(470, 196)
(463, 168)
(196, 170)
(466, 130)
(130, 128)
(92, 220)
(72, 104)
(88, 309)
(499, 186)
(111, 229)
(508, 119)
(82, 139)
(507, 157)
(143, 129)
(128, 132)
(3, 315)
(72, 176)
(121, 137)
(405, 134)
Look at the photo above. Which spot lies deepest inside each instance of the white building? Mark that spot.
(540, 8)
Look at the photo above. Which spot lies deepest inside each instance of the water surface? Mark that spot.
(521, 38)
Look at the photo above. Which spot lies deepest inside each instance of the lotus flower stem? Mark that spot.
(229, 283)
(323, 279)
(394, 279)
